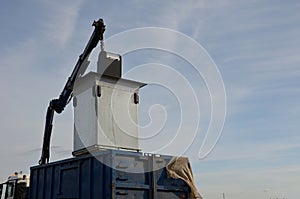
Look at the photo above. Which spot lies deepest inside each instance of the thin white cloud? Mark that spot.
(60, 26)
(27, 86)
(273, 150)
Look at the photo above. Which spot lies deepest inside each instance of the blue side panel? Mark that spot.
(48, 178)
(109, 174)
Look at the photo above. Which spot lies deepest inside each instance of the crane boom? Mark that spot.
(58, 105)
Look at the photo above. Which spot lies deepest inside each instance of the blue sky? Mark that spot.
(255, 45)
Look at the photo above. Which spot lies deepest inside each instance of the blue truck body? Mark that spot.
(107, 174)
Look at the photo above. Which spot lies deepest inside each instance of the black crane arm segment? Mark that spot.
(58, 105)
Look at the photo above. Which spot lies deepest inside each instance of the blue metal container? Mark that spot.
(107, 174)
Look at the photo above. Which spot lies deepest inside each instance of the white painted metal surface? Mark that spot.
(105, 114)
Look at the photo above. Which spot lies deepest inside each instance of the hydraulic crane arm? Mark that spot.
(58, 105)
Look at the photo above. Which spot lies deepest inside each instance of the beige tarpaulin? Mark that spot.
(179, 167)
